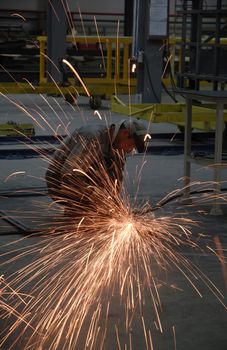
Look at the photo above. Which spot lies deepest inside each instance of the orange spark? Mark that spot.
(77, 75)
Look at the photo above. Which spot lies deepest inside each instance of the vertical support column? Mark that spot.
(195, 42)
(56, 38)
(148, 50)
(153, 65)
(217, 48)
(181, 80)
(128, 17)
(216, 209)
(187, 147)
(139, 44)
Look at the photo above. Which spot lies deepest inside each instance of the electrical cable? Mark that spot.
(173, 85)
(169, 93)
(168, 68)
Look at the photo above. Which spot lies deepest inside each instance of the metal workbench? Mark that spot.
(220, 99)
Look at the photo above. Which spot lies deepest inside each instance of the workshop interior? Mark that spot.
(66, 64)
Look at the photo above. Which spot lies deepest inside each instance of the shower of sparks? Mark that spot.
(110, 251)
(99, 250)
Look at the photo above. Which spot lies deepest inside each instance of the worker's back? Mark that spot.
(88, 147)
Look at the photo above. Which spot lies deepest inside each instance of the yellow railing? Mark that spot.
(117, 67)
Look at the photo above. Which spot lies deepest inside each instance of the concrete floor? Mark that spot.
(199, 323)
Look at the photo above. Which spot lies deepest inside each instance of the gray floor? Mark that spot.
(189, 321)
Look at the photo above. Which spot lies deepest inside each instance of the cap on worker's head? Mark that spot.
(136, 130)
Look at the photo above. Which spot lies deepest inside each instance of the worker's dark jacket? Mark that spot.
(85, 160)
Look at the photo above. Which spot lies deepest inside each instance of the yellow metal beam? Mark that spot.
(203, 118)
(16, 129)
(106, 89)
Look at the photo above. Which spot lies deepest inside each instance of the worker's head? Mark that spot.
(129, 135)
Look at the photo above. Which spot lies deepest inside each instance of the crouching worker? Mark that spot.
(91, 162)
